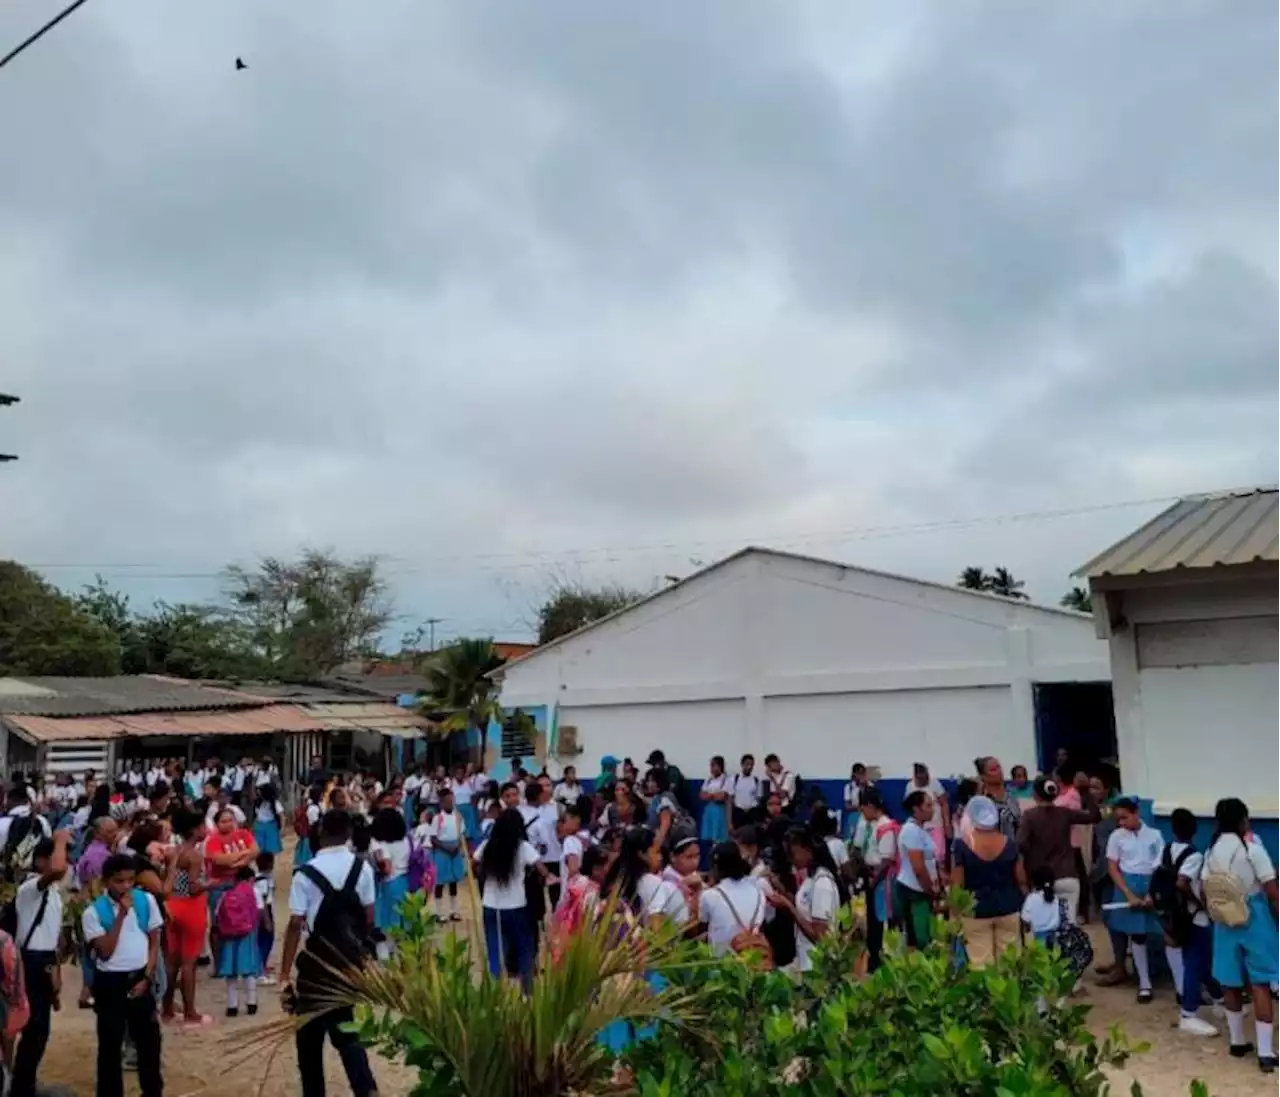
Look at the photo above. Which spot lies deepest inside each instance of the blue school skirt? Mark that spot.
(715, 822)
(239, 956)
(450, 868)
(302, 852)
(1132, 920)
(880, 901)
(621, 1035)
(391, 893)
(1248, 951)
(409, 808)
(850, 824)
(471, 819)
(267, 835)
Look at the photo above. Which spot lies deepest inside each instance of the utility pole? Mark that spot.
(431, 623)
(6, 401)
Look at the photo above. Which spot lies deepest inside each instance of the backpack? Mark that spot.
(25, 833)
(1226, 899)
(422, 868)
(339, 937)
(1171, 903)
(301, 824)
(237, 913)
(106, 910)
(1072, 942)
(749, 938)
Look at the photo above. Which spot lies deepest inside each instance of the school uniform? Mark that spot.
(446, 831)
(39, 911)
(1197, 949)
(818, 900)
(394, 886)
(266, 827)
(1247, 952)
(1137, 853)
(715, 813)
(302, 851)
(462, 797)
(114, 977)
(264, 885)
(510, 940)
(852, 802)
(746, 798)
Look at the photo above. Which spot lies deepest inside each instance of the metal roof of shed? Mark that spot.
(1201, 531)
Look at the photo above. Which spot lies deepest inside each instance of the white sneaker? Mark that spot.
(1193, 1026)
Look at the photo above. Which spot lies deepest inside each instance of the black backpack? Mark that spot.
(1172, 905)
(340, 937)
(25, 833)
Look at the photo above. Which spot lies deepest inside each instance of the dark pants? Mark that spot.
(118, 1014)
(875, 933)
(310, 1043)
(1197, 966)
(508, 938)
(37, 972)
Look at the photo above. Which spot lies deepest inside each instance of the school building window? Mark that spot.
(516, 741)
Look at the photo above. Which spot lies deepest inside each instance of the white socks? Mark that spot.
(1177, 969)
(1235, 1026)
(251, 991)
(233, 997)
(1266, 1035)
(453, 905)
(1141, 964)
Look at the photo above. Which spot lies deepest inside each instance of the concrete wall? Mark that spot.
(1194, 676)
(823, 664)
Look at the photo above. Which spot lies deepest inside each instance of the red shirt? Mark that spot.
(217, 844)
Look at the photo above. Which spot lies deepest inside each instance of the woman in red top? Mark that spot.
(226, 850)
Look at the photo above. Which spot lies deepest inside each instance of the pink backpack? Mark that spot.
(237, 914)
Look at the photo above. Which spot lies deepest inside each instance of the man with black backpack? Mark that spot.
(332, 898)
(1175, 890)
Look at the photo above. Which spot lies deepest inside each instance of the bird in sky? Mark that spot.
(240, 64)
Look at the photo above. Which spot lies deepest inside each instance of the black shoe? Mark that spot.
(204, 961)
(1144, 997)
(1267, 1064)
(252, 1010)
(231, 1012)
(1239, 1051)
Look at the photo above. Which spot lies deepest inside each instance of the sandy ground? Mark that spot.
(210, 1061)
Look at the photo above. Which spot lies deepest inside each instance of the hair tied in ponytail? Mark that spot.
(1051, 787)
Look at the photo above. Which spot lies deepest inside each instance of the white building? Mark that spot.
(822, 663)
(1187, 604)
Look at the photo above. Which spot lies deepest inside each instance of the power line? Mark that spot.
(534, 558)
(34, 38)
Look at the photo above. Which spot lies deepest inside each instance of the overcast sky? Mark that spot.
(489, 288)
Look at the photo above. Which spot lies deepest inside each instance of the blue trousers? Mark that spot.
(1197, 962)
(508, 936)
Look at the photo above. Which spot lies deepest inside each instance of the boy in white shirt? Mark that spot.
(122, 929)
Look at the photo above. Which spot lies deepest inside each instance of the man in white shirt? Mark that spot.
(747, 793)
(342, 873)
(39, 909)
(122, 929)
(782, 782)
(569, 790)
(19, 807)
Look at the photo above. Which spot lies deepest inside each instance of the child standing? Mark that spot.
(264, 886)
(1133, 855)
(122, 929)
(1041, 914)
(267, 817)
(390, 852)
(445, 833)
(237, 918)
(1188, 931)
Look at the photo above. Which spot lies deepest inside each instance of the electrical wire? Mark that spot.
(32, 39)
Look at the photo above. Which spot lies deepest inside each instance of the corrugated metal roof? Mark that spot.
(51, 729)
(1201, 531)
(368, 714)
(259, 721)
(111, 696)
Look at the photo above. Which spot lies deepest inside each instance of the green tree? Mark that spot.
(43, 631)
(111, 609)
(1077, 598)
(306, 616)
(974, 579)
(1000, 581)
(570, 606)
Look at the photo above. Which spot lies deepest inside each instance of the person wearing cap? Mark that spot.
(608, 776)
(987, 864)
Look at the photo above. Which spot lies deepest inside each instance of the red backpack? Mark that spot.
(237, 914)
(301, 824)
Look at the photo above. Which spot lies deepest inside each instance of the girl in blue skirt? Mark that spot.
(390, 852)
(854, 789)
(715, 793)
(447, 832)
(267, 818)
(310, 818)
(239, 960)
(1133, 855)
(463, 795)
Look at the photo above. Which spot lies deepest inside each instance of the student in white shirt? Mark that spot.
(569, 790)
(938, 821)
(572, 848)
(714, 794)
(122, 929)
(634, 877)
(853, 790)
(817, 902)
(917, 887)
(1188, 942)
(1236, 865)
(736, 901)
(39, 910)
(338, 866)
(1041, 913)
(1133, 855)
(446, 833)
(781, 781)
(19, 806)
(748, 792)
(508, 928)
(390, 852)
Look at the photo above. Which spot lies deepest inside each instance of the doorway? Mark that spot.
(1078, 717)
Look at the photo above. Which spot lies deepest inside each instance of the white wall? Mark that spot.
(769, 652)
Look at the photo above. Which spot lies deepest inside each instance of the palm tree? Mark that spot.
(1077, 598)
(974, 579)
(1004, 584)
(458, 684)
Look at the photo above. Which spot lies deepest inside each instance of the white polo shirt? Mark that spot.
(1137, 852)
(27, 902)
(746, 791)
(334, 864)
(132, 944)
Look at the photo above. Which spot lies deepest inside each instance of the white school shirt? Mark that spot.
(134, 778)
(746, 791)
(915, 837)
(132, 945)
(264, 887)
(313, 814)
(1041, 915)
(661, 897)
(6, 821)
(567, 792)
(27, 902)
(818, 900)
(548, 817)
(422, 835)
(334, 864)
(874, 853)
(509, 895)
(265, 812)
(1136, 851)
(445, 828)
(723, 783)
(1248, 862)
(237, 779)
(783, 783)
(268, 776)
(430, 794)
(480, 783)
(839, 851)
(1190, 871)
(411, 784)
(936, 791)
(747, 897)
(461, 792)
(154, 775)
(396, 854)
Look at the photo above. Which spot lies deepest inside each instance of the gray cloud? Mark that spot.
(455, 283)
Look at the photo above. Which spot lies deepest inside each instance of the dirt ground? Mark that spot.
(210, 1061)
